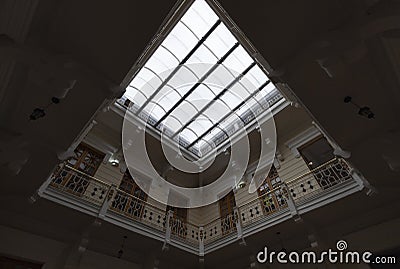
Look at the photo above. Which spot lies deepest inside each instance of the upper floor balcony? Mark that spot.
(277, 201)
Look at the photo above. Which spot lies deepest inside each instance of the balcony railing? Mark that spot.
(79, 184)
(334, 179)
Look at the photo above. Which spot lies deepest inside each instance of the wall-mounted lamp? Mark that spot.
(114, 162)
(241, 184)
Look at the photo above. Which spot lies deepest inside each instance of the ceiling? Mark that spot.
(324, 50)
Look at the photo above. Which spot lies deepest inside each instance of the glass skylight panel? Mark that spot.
(239, 60)
(203, 55)
(180, 41)
(200, 85)
(189, 135)
(166, 98)
(216, 111)
(144, 77)
(199, 95)
(231, 100)
(214, 136)
(254, 78)
(232, 123)
(134, 94)
(162, 60)
(201, 125)
(184, 113)
(182, 79)
(220, 41)
(239, 90)
(199, 18)
(155, 110)
(222, 76)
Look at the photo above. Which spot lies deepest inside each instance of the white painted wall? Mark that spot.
(290, 168)
(108, 173)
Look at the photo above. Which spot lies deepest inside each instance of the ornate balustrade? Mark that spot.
(184, 231)
(79, 184)
(266, 205)
(219, 228)
(134, 208)
(260, 211)
(319, 180)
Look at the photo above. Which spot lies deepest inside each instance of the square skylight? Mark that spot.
(200, 59)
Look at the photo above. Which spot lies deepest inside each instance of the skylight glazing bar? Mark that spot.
(209, 72)
(214, 99)
(207, 85)
(184, 60)
(228, 114)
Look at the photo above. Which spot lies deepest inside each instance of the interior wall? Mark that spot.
(108, 173)
(209, 213)
(292, 166)
(195, 215)
(289, 168)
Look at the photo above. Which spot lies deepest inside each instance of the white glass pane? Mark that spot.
(167, 97)
(254, 78)
(200, 18)
(203, 55)
(182, 90)
(135, 96)
(213, 134)
(215, 88)
(184, 112)
(144, 77)
(221, 77)
(183, 78)
(239, 91)
(231, 100)
(201, 96)
(154, 110)
(230, 121)
(161, 61)
(189, 135)
(239, 60)
(180, 41)
(172, 124)
(130, 93)
(220, 41)
(216, 111)
(267, 89)
(201, 125)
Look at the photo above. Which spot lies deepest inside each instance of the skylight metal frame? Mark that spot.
(240, 41)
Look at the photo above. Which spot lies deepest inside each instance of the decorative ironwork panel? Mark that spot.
(266, 205)
(74, 182)
(178, 227)
(320, 179)
(128, 205)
